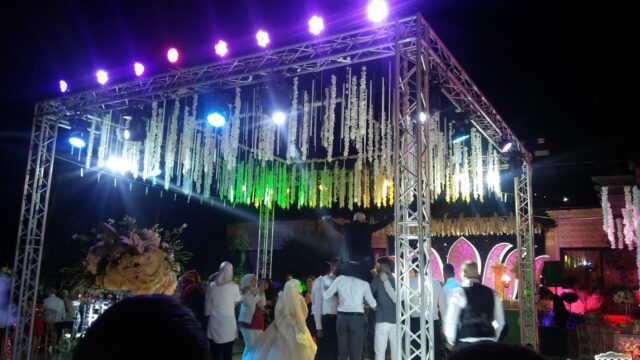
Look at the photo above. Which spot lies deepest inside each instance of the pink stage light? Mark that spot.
(316, 25)
(138, 68)
(173, 55)
(221, 48)
(64, 87)
(377, 11)
(263, 38)
(102, 77)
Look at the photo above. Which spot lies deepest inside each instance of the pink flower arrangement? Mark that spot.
(135, 259)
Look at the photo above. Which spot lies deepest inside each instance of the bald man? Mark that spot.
(474, 311)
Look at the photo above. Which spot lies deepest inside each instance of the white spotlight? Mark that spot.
(377, 11)
(316, 25)
(263, 38)
(278, 117)
(215, 120)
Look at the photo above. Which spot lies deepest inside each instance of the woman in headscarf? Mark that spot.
(287, 338)
(222, 297)
(192, 292)
(251, 318)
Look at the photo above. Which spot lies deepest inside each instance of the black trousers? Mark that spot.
(221, 351)
(351, 333)
(437, 336)
(328, 344)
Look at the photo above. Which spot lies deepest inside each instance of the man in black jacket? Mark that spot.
(474, 312)
(356, 256)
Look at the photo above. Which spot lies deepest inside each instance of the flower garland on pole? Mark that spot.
(628, 220)
(293, 123)
(170, 148)
(608, 223)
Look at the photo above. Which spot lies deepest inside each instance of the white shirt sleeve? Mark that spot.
(327, 294)
(208, 301)
(440, 299)
(457, 302)
(368, 297)
(316, 301)
(498, 315)
(236, 293)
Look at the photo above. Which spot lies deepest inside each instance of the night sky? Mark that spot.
(562, 70)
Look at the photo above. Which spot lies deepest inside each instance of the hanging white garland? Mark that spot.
(628, 220)
(293, 123)
(105, 136)
(362, 112)
(636, 219)
(92, 135)
(171, 143)
(353, 109)
(370, 126)
(607, 217)
(304, 148)
(465, 179)
(208, 165)
(324, 132)
(234, 136)
(346, 115)
(332, 118)
(476, 165)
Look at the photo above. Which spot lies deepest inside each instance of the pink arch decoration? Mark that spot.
(511, 262)
(436, 266)
(496, 255)
(462, 250)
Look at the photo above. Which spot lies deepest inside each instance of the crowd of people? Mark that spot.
(351, 305)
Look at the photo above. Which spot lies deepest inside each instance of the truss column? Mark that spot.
(412, 215)
(526, 278)
(264, 259)
(31, 232)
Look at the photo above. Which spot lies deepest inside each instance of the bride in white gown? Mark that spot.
(287, 338)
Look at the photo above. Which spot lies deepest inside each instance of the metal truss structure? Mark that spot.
(31, 231)
(422, 63)
(264, 260)
(412, 202)
(526, 260)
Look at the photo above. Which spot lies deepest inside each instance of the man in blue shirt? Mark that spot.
(450, 281)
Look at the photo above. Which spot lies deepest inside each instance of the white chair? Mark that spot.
(612, 356)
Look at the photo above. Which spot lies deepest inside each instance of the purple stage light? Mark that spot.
(102, 77)
(377, 11)
(221, 48)
(64, 87)
(263, 38)
(173, 55)
(138, 68)
(316, 25)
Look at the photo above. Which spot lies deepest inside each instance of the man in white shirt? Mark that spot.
(53, 307)
(474, 311)
(325, 314)
(351, 324)
(54, 310)
(439, 306)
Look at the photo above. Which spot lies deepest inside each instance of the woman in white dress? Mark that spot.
(251, 317)
(220, 302)
(287, 338)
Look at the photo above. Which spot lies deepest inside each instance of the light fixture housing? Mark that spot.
(505, 145)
